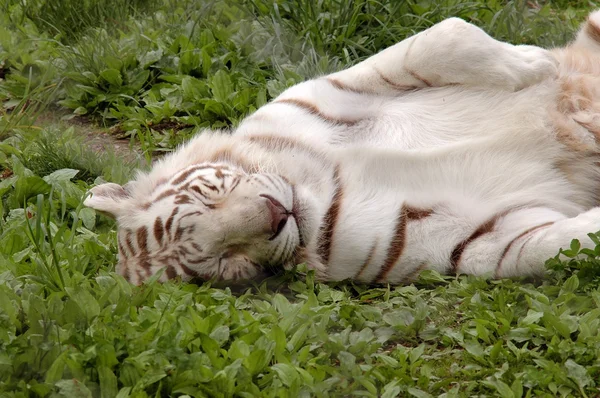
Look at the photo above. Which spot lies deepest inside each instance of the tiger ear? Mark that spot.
(108, 198)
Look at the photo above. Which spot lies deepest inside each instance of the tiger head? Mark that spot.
(208, 220)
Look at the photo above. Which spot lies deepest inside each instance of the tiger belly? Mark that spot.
(477, 208)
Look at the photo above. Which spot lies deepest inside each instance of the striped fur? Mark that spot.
(448, 151)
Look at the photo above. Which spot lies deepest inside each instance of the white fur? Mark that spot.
(450, 121)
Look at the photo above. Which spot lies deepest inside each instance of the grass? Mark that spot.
(158, 71)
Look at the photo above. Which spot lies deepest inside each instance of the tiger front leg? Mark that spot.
(520, 243)
(531, 251)
(452, 52)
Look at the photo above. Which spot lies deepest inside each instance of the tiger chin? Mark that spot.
(448, 151)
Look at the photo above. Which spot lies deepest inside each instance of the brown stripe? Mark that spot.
(399, 87)
(483, 229)
(171, 273)
(311, 108)
(198, 191)
(197, 178)
(122, 251)
(396, 246)
(330, 219)
(219, 172)
(188, 271)
(236, 181)
(341, 86)
(144, 263)
(170, 220)
(275, 143)
(142, 239)
(407, 213)
(210, 186)
(223, 175)
(179, 233)
(412, 72)
(158, 230)
(129, 242)
(182, 177)
(367, 260)
(416, 76)
(138, 271)
(592, 31)
(414, 213)
(523, 247)
(165, 194)
(509, 246)
(198, 260)
(194, 213)
(255, 265)
(182, 200)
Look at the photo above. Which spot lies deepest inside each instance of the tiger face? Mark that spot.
(211, 221)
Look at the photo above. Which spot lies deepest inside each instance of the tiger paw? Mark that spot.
(524, 66)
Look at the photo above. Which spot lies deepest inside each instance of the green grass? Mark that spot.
(159, 71)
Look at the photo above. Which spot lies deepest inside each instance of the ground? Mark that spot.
(92, 90)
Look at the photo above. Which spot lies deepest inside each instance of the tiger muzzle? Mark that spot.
(279, 215)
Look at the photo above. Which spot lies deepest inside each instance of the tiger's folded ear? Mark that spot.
(109, 198)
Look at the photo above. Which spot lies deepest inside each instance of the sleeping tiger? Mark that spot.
(448, 151)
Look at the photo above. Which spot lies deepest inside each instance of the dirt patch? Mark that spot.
(101, 141)
(98, 139)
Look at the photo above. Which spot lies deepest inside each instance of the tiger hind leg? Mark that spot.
(452, 52)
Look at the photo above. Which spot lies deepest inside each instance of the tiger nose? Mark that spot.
(279, 215)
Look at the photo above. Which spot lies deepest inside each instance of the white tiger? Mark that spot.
(448, 151)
